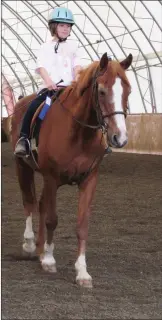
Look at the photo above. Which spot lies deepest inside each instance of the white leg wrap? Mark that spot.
(81, 269)
(29, 243)
(47, 259)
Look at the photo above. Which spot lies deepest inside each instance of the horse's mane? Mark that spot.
(85, 77)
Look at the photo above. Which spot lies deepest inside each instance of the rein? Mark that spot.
(83, 124)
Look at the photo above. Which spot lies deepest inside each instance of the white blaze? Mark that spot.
(119, 118)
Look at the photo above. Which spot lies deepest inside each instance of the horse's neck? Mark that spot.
(85, 114)
(84, 111)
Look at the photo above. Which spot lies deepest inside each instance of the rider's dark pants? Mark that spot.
(25, 129)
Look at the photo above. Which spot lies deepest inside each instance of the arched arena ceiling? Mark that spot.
(115, 27)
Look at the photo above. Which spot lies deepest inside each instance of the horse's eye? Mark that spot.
(102, 93)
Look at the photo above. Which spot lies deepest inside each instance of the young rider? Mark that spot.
(57, 60)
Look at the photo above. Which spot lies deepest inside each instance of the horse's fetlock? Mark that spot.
(51, 225)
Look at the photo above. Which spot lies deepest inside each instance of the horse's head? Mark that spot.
(112, 89)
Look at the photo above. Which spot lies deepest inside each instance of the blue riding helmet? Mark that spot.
(60, 14)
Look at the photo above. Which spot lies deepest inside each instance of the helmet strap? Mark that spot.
(58, 42)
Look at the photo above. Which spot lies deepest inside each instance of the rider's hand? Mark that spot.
(51, 85)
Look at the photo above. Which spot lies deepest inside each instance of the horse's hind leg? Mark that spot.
(27, 186)
(48, 216)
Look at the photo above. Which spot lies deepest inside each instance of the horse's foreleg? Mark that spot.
(27, 186)
(86, 192)
(49, 207)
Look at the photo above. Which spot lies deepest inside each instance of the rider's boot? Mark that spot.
(22, 147)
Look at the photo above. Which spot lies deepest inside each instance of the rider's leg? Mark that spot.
(21, 148)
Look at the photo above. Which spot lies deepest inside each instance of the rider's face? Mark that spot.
(63, 30)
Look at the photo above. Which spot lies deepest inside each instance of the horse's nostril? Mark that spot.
(115, 138)
(118, 141)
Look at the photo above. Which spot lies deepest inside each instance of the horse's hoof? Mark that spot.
(85, 282)
(48, 263)
(49, 267)
(29, 247)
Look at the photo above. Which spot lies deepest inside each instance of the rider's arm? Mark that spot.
(47, 80)
(44, 74)
(41, 67)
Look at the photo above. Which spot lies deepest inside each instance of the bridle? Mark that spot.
(96, 106)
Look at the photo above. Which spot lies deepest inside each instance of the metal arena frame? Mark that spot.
(115, 27)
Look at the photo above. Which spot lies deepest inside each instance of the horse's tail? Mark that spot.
(6, 129)
(7, 126)
(9, 100)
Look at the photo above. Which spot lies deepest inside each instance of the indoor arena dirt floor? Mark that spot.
(124, 253)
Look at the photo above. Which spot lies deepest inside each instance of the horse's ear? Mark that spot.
(127, 62)
(104, 61)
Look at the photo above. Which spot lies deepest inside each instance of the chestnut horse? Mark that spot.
(70, 149)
